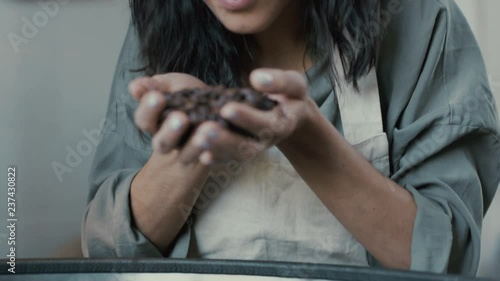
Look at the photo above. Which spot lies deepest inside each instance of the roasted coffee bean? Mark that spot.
(202, 105)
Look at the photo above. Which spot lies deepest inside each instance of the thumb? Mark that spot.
(289, 83)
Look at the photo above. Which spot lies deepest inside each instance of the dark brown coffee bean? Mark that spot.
(202, 105)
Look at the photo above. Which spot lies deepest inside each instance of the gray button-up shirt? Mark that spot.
(439, 116)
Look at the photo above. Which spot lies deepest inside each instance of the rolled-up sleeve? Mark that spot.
(107, 227)
(450, 184)
(442, 125)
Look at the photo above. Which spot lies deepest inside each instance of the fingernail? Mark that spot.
(175, 123)
(202, 142)
(264, 78)
(153, 101)
(212, 134)
(206, 158)
(228, 112)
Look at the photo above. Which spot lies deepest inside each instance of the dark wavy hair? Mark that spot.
(185, 36)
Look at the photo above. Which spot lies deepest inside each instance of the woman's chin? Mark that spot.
(238, 26)
(241, 23)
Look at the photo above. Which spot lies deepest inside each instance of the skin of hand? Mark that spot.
(210, 143)
(153, 188)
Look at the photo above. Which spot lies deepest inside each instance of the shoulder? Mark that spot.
(430, 66)
(432, 76)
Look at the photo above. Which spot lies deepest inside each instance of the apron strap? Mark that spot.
(360, 110)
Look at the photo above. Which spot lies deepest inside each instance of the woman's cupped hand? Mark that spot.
(210, 143)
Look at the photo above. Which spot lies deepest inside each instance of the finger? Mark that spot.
(252, 120)
(173, 82)
(170, 82)
(200, 141)
(149, 110)
(290, 83)
(227, 146)
(171, 132)
(141, 86)
(207, 158)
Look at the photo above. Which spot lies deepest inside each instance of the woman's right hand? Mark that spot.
(148, 91)
(164, 184)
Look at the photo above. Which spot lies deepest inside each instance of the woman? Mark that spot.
(383, 149)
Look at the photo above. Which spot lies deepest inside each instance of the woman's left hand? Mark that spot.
(294, 109)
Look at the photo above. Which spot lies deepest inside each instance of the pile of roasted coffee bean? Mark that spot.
(202, 105)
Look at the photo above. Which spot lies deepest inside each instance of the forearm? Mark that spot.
(378, 212)
(161, 195)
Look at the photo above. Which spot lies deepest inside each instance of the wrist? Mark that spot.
(165, 172)
(305, 128)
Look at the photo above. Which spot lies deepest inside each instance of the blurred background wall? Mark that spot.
(55, 87)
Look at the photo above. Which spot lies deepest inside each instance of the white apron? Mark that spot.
(267, 212)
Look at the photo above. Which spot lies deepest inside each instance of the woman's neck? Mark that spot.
(283, 44)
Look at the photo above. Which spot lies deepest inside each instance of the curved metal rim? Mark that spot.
(223, 267)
